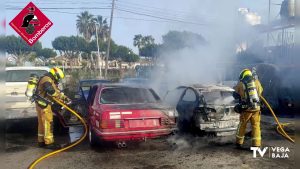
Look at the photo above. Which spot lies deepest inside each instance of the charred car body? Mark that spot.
(208, 108)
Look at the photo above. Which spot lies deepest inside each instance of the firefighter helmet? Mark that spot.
(244, 73)
(57, 73)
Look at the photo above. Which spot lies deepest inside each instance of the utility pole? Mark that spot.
(109, 37)
(269, 15)
(99, 58)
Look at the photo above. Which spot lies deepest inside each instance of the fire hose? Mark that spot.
(33, 164)
(280, 127)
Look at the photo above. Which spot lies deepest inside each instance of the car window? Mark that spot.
(189, 96)
(173, 96)
(218, 97)
(91, 95)
(85, 85)
(211, 96)
(126, 95)
(22, 75)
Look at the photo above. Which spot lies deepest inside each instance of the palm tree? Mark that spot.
(137, 41)
(148, 40)
(85, 24)
(102, 27)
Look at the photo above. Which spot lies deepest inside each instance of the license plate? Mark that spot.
(143, 123)
(225, 124)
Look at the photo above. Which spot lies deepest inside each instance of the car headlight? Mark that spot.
(172, 113)
(169, 113)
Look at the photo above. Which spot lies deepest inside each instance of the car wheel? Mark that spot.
(92, 138)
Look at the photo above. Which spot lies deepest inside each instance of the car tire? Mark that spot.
(93, 140)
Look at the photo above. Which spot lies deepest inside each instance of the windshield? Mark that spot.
(126, 95)
(22, 75)
(218, 97)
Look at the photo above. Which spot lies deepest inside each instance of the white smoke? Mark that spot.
(205, 64)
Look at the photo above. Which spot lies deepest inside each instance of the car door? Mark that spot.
(187, 104)
(90, 101)
(172, 97)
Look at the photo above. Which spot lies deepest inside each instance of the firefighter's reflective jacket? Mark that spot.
(47, 88)
(241, 89)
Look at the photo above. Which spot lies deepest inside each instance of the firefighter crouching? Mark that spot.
(47, 87)
(248, 91)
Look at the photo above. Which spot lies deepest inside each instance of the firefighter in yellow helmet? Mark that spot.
(248, 90)
(47, 88)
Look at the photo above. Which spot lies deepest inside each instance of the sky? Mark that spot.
(146, 17)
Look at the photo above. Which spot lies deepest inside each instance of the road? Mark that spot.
(176, 151)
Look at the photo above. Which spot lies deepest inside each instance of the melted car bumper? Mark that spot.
(220, 126)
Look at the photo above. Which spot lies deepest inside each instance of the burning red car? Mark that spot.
(121, 113)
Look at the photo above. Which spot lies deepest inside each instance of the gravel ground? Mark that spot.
(177, 151)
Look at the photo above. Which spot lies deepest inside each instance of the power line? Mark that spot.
(58, 2)
(65, 8)
(136, 13)
(151, 7)
(158, 17)
(162, 12)
(117, 17)
(151, 12)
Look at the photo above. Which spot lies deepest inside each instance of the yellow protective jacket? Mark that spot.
(47, 89)
(240, 89)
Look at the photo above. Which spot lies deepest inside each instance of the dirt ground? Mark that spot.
(176, 151)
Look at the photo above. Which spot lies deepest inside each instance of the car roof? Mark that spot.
(94, 80)
(135, 78)
(209, 87)
(27, 68)
(119, 85)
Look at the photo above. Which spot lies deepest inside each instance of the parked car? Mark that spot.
(208, 108)
(79, 104)
(120, 113)
(17, 104)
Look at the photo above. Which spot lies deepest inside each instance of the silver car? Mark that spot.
(208, 108)
(17, 104)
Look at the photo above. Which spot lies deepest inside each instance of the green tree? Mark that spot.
(148, 40)
(70, 46)
(85, 24)
(144, 44)
(102, 28)
(19, 48)
(46, 53)
(175, 40)
(123, 53)
(150, 50)
(137, 41)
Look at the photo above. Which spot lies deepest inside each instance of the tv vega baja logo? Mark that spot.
(31, 24)
(273, 152)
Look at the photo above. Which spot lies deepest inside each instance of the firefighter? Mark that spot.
(248, 90)
(47, 88)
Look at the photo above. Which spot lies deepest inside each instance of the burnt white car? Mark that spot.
(204, 108)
